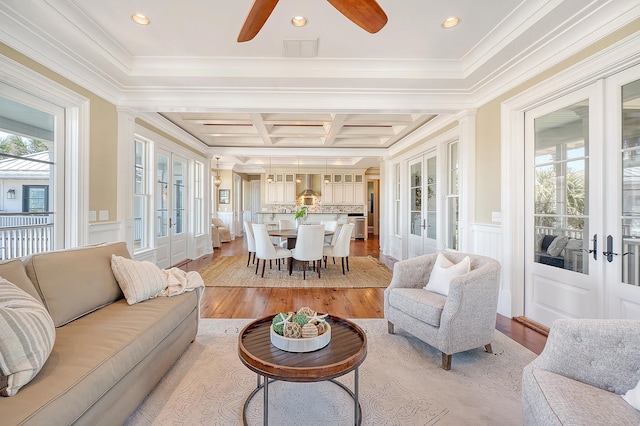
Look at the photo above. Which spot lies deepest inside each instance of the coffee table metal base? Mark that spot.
(263, 383)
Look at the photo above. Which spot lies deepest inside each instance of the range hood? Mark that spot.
(308, 192)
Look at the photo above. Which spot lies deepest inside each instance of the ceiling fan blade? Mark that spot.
(258, 15)
(367, 14)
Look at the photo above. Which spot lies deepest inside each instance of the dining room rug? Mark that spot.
(232, 271)
(400, 383)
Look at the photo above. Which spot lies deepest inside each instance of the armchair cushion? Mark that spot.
(423, 305)
(444, 271)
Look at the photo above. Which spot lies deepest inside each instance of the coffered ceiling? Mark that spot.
(328, 90)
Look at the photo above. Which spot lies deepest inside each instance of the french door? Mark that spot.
(622, 279)
(423, 204)
(171, 216)
(582, 225)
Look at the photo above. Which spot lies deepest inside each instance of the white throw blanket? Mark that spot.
(179, 281)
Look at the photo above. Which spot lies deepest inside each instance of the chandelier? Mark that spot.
(217, 181)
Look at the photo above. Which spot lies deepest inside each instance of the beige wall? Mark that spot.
(488, 127)
(103, 136)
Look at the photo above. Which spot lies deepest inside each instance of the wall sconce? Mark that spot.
(11, 194)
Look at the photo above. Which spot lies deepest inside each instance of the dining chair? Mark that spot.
(251, 240)
(308, 248)
(286, 224)
(341, 246)
(330, 225)
(265, 249)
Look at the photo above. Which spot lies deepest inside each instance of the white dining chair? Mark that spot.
(330, 225)
(286, 224)
(265, 249)
(341, 246)
(309, 243)
(251, 241)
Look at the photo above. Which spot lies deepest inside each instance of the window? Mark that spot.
(141, 195)
(35, 198)
(198, 193)
(453, 204)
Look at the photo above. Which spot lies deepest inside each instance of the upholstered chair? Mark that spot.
(251, 241)
(265, 249)
(223, 229)
(308, 248)
(341, 247)
(285, 224)
(585, 367)
(330, 225)
(464, 319)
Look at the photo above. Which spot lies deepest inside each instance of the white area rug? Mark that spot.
(401, 383)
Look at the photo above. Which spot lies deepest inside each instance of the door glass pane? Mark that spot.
(431, 197)
(179, 171)
(631, 183)
(162, 192)
(415, 208)
(561, 204)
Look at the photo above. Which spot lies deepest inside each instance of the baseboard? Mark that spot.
(527, 322)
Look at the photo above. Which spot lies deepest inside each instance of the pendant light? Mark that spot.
(326, 175)
(298, 180)
(217, 181)
(270, 176)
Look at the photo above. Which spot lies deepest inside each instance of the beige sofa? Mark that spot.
(107, 355)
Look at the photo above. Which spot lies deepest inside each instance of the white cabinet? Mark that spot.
(327, 193)
(358, 189)
(289, 189)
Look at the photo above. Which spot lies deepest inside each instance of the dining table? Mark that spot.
(291, 235)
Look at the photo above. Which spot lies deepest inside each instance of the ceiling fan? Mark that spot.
(367, 14)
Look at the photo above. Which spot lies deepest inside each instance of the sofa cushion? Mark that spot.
(574, 403)
(139, 281)
(91, 286)
(13, 271)
(28, 336)
(425, 306)
(444, 271)
(93, 353)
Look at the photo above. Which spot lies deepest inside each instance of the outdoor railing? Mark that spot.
(18, 241)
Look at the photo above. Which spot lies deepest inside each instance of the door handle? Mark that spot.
(609, 253)
(424, 223)
(595, 247)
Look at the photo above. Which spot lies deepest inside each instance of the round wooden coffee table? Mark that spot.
(344, 353)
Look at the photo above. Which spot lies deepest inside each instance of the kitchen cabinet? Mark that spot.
(282, 190)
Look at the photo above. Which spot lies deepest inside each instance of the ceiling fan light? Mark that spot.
(299, 21)
(139, 18)
(450, 22)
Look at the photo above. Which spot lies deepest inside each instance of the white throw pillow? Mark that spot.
(444, 271)
(139, 281)
(27, 335)
(633, 397)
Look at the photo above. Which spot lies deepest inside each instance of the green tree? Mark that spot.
(20, 146)
(546, 202)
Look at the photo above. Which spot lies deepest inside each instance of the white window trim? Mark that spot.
(76, 143)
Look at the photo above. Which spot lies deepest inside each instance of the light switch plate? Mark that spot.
(104, 214)
(92, 215)
(496, 216)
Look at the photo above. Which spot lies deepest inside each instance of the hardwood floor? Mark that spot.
(236, 302)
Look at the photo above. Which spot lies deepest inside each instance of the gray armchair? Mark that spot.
(463, 320)
(578, 378)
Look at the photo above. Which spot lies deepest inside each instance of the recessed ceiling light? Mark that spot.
(299, 21)
(139, 18)
(450, 22)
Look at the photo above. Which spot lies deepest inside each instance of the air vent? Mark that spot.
(307, 48)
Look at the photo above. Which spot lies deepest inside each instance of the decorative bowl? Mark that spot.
(301, 345)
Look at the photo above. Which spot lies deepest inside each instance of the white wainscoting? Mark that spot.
(202, 246)
(487, 241)
(227, 218)
(104, 232)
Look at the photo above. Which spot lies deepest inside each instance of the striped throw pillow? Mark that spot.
(139, 281)
(27, 335)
